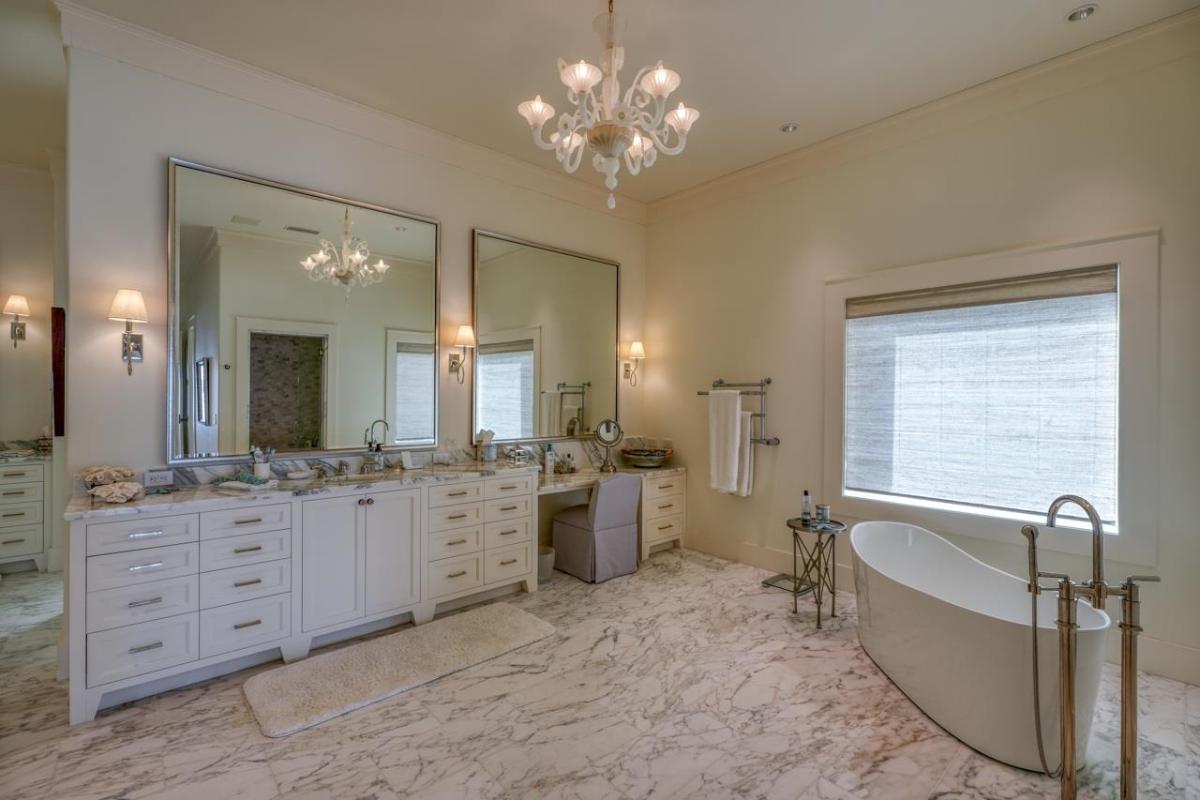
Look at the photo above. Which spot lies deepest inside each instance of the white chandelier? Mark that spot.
(636, 127)
(347, 266)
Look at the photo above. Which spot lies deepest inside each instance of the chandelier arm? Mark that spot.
(660, 143)
(636, 85)
(573, 159)
(632, 166)
(537, 137)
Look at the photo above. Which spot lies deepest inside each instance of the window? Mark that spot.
(998, 396)
(411, 392)
(505, 375)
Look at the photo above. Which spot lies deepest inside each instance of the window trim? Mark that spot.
(1137, 258)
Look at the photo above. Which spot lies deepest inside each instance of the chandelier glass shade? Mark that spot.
(346, 266)
(633, 127)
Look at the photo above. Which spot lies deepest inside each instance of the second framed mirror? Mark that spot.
(546, 323)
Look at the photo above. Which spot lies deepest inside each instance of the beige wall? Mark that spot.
(1090, 145)
(26, 267)
(164, 99)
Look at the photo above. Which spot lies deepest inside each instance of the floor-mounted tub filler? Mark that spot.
(954, 635)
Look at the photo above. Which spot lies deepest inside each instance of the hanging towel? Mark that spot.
(724, 436)
(551, 414)
(745, 471)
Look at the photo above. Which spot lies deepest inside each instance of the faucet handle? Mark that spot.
(1143, 579)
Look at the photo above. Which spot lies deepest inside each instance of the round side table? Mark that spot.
(815, 565)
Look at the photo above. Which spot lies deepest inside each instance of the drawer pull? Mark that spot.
(508, 532)
(144, 535)
(665, 527)
(508, 488)
(370, 501)
(237, 551)
(457, 494)
(458, 574)
(664, 507)
(14, 514)
(362, 501)
(244, 584)
(143, 567)
(17, 493)
(456, 542)
(12, 541)
(507, 562)
(238, 626)
(457, 516)
(509, 508)
(250, 521)
(147, 602)
(15, 474)
(133, 651)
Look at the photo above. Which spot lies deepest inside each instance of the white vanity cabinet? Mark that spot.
(24, 510)
(163, 593)
(664, 509)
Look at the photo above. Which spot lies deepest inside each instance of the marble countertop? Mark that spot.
(585, 479)
(207, 496)
(21, 453)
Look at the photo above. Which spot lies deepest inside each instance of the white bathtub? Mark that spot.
(954, 635)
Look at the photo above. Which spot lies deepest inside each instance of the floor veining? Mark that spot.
(685, 680)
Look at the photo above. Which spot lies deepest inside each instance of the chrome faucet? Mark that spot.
(373, 461)
(1096, 589)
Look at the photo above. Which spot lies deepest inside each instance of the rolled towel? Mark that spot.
(120, 492)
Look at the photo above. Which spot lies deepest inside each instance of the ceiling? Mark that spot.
(33, 82)
(461, 66)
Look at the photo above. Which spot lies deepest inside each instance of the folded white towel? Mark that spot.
(724, 436)
(551, 414)
(745, 471)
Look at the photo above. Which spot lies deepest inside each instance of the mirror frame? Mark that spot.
(173, 460)
(616, 265)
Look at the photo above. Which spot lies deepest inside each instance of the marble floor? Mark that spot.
(685, 680)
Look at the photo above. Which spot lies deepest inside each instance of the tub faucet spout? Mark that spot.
(1096, 590)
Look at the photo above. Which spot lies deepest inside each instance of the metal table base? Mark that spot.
(815, 566)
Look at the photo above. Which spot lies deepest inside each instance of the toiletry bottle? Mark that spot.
(806, 508)
(548, 462)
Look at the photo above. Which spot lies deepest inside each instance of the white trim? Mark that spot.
(1137, 256)
(392, 337)
(248, 325)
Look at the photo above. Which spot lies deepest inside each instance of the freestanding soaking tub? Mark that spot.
(954, 635)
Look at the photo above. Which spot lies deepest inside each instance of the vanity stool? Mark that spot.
(599, 541)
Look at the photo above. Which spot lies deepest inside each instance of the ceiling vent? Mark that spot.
(298, 229)
(238, 219)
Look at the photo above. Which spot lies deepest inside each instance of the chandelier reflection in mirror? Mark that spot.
(635, 127)
(345, 267)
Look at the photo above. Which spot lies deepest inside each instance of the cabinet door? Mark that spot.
(333, 562)
(393, 523)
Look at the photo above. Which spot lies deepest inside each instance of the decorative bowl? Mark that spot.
(642, 457)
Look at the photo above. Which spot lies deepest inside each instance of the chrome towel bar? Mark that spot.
(756, 389)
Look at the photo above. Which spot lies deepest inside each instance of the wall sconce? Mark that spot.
(636, 353)
(18, 306)
(129, 307)
(464, 339)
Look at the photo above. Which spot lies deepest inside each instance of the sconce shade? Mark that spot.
(17, 304)
(128, 306)
(636, 350)
(465, 337)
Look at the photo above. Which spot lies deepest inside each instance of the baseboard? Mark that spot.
(1155, 656)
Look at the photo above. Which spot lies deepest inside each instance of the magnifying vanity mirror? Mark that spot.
(546, 326)
(296, 320)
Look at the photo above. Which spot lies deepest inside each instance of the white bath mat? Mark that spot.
(301, 695)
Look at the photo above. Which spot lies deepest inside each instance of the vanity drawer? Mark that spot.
(20, 473)
(229, 628)
(454, 575)
(505, 532)
(142, 566)
(16, 492)
(506, 487)
(20, 514)
(136, 534)
(248, 582)
(441, 519)
(145, 647)
(663, 486)
(506, 508)
(129, 605)
(236, 521)
(455, 543)
(20, 541)
(663, 529)
(454, 494)
(252, 548)
(506, 563)
(657, 507)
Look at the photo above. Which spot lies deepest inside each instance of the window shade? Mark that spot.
(413, 416)
(504, 371)
(1001, 395)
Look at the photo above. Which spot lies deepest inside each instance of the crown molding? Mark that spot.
(85, 29)
(1143, 48)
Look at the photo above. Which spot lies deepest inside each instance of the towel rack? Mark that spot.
(756, 389)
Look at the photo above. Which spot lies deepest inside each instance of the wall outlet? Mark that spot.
(158, 477)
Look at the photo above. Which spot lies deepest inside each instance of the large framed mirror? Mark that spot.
(546, 323)
(297, 319)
